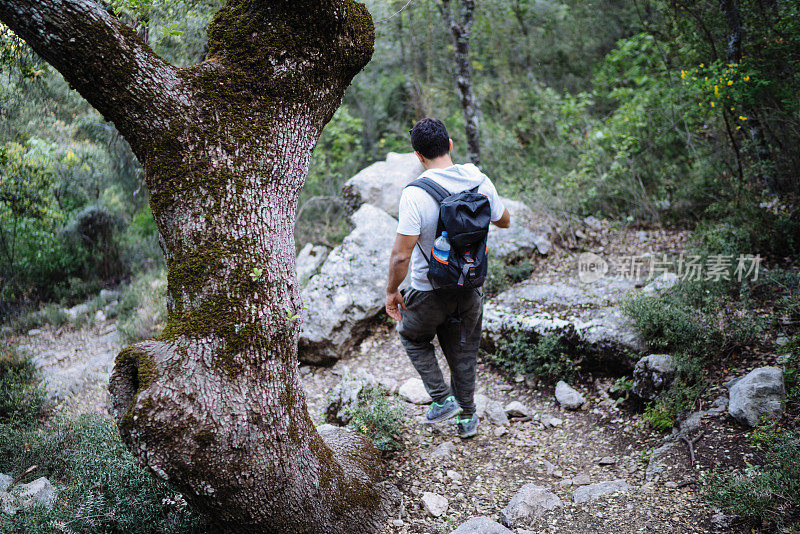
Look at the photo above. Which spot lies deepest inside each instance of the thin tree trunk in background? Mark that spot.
(755, 130)
(215, 405)
(460, 27)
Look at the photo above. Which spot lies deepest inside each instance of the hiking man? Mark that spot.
(453, 312)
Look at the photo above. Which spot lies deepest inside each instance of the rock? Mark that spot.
(443, 451)
(760, 392)
(413, 391)
(34, 332)
(549, 420)
(500, 431)
(397, 522)
(517, 409)
(481, 525)
(718, 407)
(388, 384)
(581, 480)
(5, 481)
(568, 397)
(593, 491)
(588, 314)
(347, 294)
(344, 397)
(454, 475)
(652, 375)
(481, 401)
(528, 233)
(382, 183)
(593, 222)
(99, 316)
(75, 311)
(607, 460)
(107, 295)
(781, 341)
(38, 492)
(309, 261)
(530, 502)
(434, 504)
(660, 283)
(495, 413)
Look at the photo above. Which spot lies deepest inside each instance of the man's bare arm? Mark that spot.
(398, 269)
(504, 221)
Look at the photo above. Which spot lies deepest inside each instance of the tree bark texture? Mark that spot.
(215, 404)
(460, 27)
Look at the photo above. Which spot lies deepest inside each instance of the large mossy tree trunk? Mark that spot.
(215, 404)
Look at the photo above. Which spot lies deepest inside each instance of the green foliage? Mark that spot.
(142, 308)
(766, 493)
(790, 354)
(548, 357)
(21, 401)
(101, 486)
(378, 416)
(502, 275)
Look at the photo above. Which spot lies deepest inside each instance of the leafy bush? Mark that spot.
(378, 416)
(21, 401)
(766, 493)
(101, 486)
(548, 357)
(790, 354)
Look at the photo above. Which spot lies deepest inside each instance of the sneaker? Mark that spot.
(440, 412)
(467, 427)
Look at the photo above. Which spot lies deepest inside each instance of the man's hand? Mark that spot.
(394, 302)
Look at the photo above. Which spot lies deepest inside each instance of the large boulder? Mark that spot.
(587, 315)
(759, 393)
(652, 374)
(382, 183)
(309, 261)
(344, 297)
(529, 233)
(530, 502)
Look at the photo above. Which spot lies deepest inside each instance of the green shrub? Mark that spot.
(790, 354)
(547, 357)
(502, 275)
(21, 401)
(766, 493)
(378, 416)
(101, 486)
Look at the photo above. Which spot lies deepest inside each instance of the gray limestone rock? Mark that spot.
(481, 402)
(413, 390)
(5, 481)
(593, 491)
(759, 393)
(588, 314)
(496, 414)
(309, 261)
(434, 504)
(442, 451)
(38, 492)
(382, 183)
(652, 375)
(660, 283)
(344, 396)
(517, 409)
(529, 233)
(568, 397)
(481, 525)
(530, 502)
(347, 293)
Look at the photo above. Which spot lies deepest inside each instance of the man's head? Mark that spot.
(430, 139)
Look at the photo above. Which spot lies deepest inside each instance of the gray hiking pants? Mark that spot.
(430, 314)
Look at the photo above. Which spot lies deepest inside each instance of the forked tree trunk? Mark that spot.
(215, 404)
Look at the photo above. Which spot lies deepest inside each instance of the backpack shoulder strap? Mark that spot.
(435, 190)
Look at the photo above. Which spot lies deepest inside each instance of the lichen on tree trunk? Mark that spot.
(215, 404)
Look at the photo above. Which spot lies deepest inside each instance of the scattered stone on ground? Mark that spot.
(413, 391)
(568, 397)
(434, 504)
(759, 393)
(495, 413)
(442, 451)
(593, 491)
(481, 525)
(652, 374)
(528, 503)
(517, 409)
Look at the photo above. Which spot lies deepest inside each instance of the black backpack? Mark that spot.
(466, 217)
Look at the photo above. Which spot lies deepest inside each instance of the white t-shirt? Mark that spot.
(419, 212)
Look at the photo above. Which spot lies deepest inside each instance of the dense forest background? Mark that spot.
(669, 112)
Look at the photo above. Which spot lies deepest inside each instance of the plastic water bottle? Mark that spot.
(441, 248)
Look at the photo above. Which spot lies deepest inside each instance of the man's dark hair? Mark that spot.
(429, 137)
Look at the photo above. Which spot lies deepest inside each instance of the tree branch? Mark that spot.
(101, 57)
